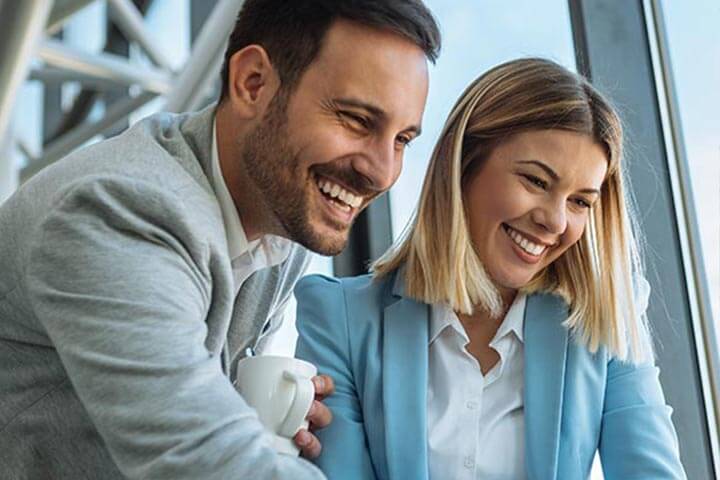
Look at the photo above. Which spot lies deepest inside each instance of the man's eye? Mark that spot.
(538, 182)
(356, 120)
(404, 140)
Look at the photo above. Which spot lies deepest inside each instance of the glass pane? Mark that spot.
(476, 36)
(694, 43)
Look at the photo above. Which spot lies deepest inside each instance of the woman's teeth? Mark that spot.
(524, 243)
(338, 193)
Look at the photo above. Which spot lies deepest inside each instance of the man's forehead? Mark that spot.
(387, 72)
(347, 43)
(348, 34)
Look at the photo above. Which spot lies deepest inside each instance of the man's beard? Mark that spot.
(269, 162)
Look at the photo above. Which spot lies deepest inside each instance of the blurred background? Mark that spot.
(75, 71)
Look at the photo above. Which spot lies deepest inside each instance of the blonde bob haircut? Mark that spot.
(594, 276)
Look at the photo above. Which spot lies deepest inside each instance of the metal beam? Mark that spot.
(105, 66)
(21, 25)
(205, 60)
(47, 74)
(116, 43)
(200, 10)
(62, 10)
(52, 104)
(8, 170)
(130, 21)
(93, 89)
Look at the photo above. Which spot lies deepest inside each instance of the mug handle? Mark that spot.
(304, 395)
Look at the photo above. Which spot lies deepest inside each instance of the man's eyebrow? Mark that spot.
(555, 176)
(374, 110)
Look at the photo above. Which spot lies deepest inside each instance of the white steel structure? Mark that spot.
(28, 51)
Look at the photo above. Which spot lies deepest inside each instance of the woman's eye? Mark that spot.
(538, 182)
(582, 203)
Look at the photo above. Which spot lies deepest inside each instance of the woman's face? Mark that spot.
(530, 201)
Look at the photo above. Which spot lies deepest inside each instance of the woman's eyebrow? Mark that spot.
(544, 166)
(555, 176)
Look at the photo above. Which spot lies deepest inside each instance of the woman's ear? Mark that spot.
(252, 82)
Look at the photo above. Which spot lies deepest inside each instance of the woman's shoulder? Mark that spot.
(350, 306)
(358, 289)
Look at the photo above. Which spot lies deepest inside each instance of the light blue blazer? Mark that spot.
(373, 341)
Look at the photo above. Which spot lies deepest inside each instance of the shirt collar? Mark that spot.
(276, 249)
(514, 319)
(442, 317)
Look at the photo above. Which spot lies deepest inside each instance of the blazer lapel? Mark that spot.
(405, 366)
(546, 342)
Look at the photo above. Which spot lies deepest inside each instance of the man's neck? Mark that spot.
(246, 196)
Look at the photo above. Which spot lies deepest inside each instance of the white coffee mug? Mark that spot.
(280, 389)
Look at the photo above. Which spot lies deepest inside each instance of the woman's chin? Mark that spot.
(513, 281)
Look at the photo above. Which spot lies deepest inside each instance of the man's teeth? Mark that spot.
(335, 191)
(524, 243)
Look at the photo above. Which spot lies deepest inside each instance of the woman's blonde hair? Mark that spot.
(594, 276)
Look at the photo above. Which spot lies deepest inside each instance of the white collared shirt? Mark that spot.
(476, 423)
(246, 257)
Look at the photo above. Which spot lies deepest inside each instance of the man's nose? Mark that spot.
(380, 164)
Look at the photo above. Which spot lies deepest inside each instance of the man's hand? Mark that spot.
(319, 417)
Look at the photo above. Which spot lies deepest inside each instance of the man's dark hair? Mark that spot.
(292, 31)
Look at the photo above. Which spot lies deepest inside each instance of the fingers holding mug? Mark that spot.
(324, 386)
(310, 446)
(319, 415)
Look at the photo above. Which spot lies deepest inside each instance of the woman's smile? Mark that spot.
(525, 249)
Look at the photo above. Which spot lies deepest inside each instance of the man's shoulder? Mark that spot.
(164, 154)
(170, 150)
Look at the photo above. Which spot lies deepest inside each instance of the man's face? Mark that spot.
(337, 142)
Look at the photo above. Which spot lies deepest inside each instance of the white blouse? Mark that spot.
(475, 423)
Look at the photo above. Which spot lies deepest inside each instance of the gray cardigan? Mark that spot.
(119, 332)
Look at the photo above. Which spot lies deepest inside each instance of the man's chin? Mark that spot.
(328, 248)
(325, 243)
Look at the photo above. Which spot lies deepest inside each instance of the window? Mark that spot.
(694, 47)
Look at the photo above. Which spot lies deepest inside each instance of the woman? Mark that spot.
(503, 336)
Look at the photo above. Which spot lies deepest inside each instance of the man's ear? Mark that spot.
(252, 82)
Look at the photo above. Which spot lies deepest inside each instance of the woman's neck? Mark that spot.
(508, 297)
(483, 314)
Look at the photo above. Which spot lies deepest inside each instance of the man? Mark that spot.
(135, 272)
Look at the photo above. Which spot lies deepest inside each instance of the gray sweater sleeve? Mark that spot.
(121, 285)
